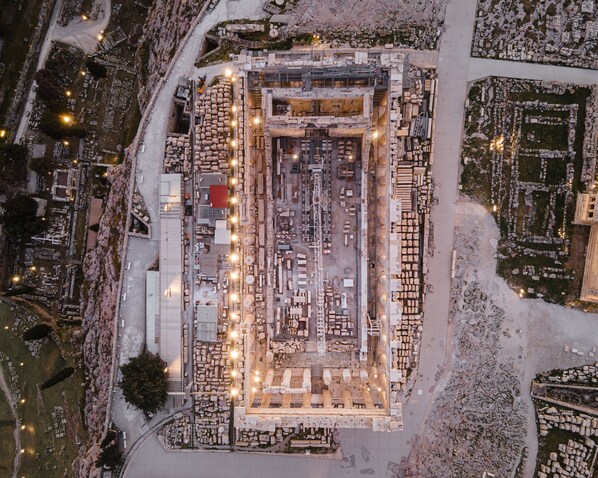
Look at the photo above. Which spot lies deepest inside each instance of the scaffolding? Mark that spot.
(317, 244)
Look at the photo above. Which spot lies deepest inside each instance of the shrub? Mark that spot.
(58, 377)
(37, 332)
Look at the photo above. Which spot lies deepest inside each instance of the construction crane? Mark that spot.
(317, 245)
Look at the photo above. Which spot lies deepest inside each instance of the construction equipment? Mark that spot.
(319, 265)
(201, 84)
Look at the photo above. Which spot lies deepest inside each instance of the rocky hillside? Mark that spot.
(167, 24)
(102, 270)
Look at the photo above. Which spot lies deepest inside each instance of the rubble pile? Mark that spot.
(366, 23)
(211, 383)
(167, 23)
(478, 420)
(177, 154)
(546, 32)
(176, 434)
(214, 131)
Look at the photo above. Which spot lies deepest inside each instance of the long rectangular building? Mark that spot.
(171, 286)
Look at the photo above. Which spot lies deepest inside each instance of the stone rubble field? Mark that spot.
(482, 417)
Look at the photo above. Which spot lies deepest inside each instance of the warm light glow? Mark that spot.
(494, 208)
(233, 123)
(233, 334)
(295, 156)
(233, 316)
(228, 72)
(256, 120)
(234, 237)
(233, 219)
(233, 200)
(234, 392)
(233, 79)
(82, 73)
(66, 119)
(256, 379)
(253, 389)
(165, 369)
(257, 372)
(233, 162)
(2, 133)
(234, 297)
(16, 279)
(22, 427)
(233, 181)
(233, 143)
(67, 93)
(375, 135)
(84, 17)
(22, 400)
(6, 327)
(234, 275)
(234, 373)
(234, 354)
(100, 36)
(234, 108)
(234, 257)
(21, 364)
(66, 143)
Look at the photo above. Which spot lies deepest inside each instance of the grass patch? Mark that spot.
(49, 451)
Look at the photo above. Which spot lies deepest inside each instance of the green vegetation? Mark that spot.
(144, 382)
(497, 156)
(7, 442)
(20, 217)
(111, 456)
(49, 447)
(17, 24)
(97, 70)
(13, 162)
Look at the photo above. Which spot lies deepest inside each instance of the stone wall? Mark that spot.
(102, 271)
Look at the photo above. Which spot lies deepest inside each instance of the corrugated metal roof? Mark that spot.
(207, 322)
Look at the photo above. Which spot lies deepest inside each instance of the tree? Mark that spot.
(20, 219)
(110, 457)
(97, 70)
(49, 88)
(13, 162)
(41, 165)
(144, 382)
(53, 125)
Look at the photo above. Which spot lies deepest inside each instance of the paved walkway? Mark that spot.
(368, 453)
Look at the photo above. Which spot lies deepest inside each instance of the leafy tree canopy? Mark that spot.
(20, 217)
(144, 382)
(52, 124)
(96, 69)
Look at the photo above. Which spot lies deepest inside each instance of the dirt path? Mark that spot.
(6, 390)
